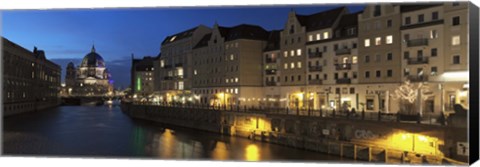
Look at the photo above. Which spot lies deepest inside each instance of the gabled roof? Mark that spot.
(178, 36)
(417, 6)
(204, 41)
(320, 20)
(273, 41)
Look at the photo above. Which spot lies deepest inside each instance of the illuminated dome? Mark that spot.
(92, 59)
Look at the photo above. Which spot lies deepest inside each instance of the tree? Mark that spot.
(411, 95)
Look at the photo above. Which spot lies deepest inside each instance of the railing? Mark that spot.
(271, 72)
(343, 81)
(315, 82)
(315, 68)
(344, 66)
(417, 78)
(172, 77)
(419, 60)
(271, 83)
(417, 42)
(430, 119)
(270, 60)
(315, 54)
(178, 64)
(343, 51)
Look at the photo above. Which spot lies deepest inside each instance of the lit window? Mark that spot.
(299, 52)
(325, 35)
(378, 40)
(285, 66)
(180, 71)
(226, 80)
(162, 63)
(433, 34)
(236, 90)
(231, 57)
(173, 38)
(194, 72)
(292, 53)
(285, 54)
(236, 80)
(354, 60)
(367, 42)
(456, 40)
(318, 36)
(310, 38)
(292, 65)
(299, 64)
(389, 39)
(180, 85)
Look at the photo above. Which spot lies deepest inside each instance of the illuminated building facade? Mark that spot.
(143, 78)
(30, 81)
(91, 78)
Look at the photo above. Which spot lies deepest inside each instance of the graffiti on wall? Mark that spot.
(365, 134)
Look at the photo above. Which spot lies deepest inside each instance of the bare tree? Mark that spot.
(411, 97)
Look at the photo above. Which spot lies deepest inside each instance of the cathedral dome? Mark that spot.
(92, 59)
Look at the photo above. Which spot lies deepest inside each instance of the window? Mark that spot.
(456, 59)
(378, 73)
(299, 78)
(367, 74)
(162, 63)
(299, 64)
(292, 65)
(433, 52)
(194, 72)
(433, 71)
(421, 18)
(325, 76)
(456, 40)
(310, 38)
(285, 66)
(318, 36)
(286, 78)
(367, 42)
(389, 56)
(434, 15)
(324, 48)
(299, 52)
(433, 34)
(406, 55)
(389, 39)
(456, 20)
(335, 47)
(377, 11)
(352, 90)
(285, 54)
(292, 30)
(389, 73)
(406, 71)
(389, 23)
(407, 20)
(309, 77)
(226, 80)
(292, 53)
(367, 59)
(354, 75)
(354, 60)
(236, 90)
(292, 78)
(335, 76)
(236, 79)
(325, 35)
(378, 41)
(232, 57)
(180, 85)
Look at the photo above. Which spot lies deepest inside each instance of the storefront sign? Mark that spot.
(370, 92)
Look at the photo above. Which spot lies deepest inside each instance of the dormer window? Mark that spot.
(377, 11)
(173, 38)
(292, 29)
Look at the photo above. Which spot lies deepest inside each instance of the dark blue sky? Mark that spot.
(67, 35)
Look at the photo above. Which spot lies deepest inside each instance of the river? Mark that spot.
(104, 131)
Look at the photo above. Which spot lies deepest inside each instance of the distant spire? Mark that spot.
(93, 48)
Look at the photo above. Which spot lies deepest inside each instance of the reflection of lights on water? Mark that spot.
(221, 151)
(252, 153)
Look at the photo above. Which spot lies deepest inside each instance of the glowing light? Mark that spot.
(422, 138)
(252, 153)
(463, 93)
(456, 76)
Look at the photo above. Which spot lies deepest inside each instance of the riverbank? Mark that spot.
(360, 140)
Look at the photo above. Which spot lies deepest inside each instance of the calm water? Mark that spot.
(106, 132)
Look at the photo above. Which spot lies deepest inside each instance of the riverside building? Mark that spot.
(30, 81)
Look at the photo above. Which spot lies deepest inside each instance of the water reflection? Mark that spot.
(73, 133)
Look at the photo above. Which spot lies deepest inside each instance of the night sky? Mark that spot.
(68, 35)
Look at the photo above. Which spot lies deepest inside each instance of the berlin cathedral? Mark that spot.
(91, 78)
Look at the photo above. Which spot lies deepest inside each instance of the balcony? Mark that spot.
(419, 60)
(343, 51)
(271, 72)
(344, 66)
(270, 60)
(178, 64)
(315, 68)
(271, 83)
(173, 77)
(417, 42)
(315, 54)
(343, 81)
(418, 78)
(315, 82)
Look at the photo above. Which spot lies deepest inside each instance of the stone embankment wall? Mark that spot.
(391, 142)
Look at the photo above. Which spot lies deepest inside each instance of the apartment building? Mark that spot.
(292, 71)
(173, 77)
(143, 78)
(30, 81)
(227, 66)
